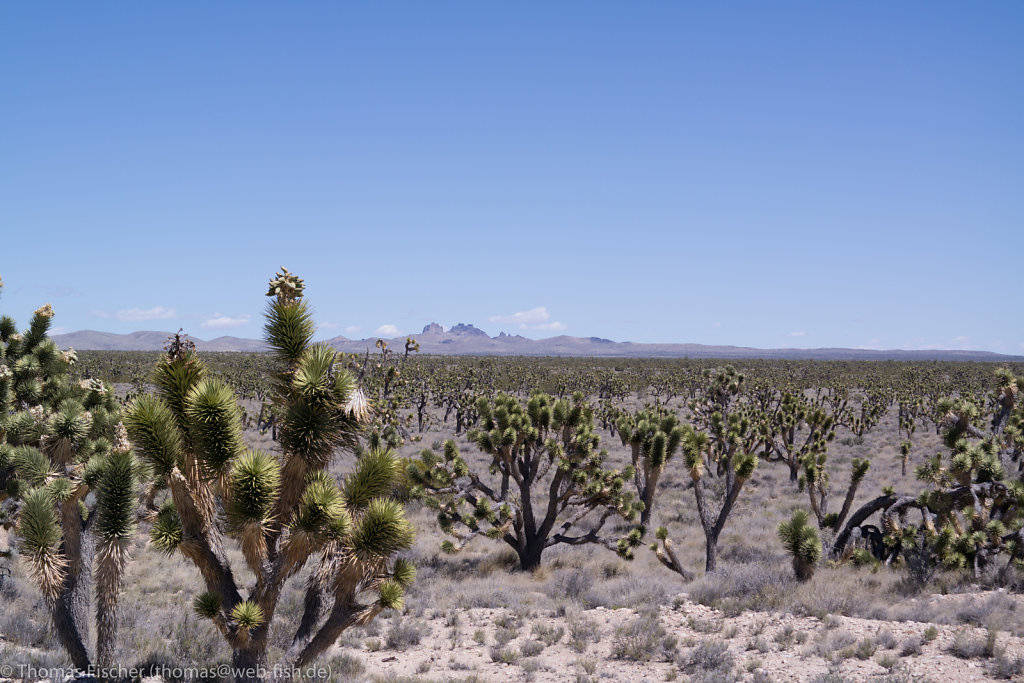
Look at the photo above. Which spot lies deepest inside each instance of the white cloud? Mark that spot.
(140, 314)
(329, 326)
(99, 314)
(221, 322)
(534, 316)
(873, 345)
(797, 334)
(58, 329)
(351, 329)
(716, 324)
(387, 331)
(533, 319)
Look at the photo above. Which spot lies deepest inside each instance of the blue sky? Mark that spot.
(765, 174)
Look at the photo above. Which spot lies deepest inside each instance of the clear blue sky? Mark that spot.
(767, 174)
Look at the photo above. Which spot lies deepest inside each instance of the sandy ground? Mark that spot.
(763, 646)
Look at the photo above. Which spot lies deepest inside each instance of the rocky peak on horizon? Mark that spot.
(432, 328)
(463, 328)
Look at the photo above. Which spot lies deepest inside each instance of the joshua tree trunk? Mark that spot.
(250, 665)
(648, 498)
(70, 609)
(711, 559)
(529, 556)
(713, 526)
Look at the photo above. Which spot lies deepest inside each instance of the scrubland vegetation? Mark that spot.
(401, 517)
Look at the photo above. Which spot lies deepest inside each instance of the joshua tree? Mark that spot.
(801, 541)
(282, 509)
(550, 481)
(798, 428)
(68, 481)
(873, 405)
(653, 435)
(720, 445)
(905, 447)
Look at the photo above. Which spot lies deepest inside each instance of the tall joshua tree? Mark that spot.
(68, 483)
(719, 444)
(282, 509)
(548, 482)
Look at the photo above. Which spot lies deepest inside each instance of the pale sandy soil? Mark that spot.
(440, 655)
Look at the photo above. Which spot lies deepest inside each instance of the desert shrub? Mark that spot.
(866, 648)
(710, 656)
(831, 621)
(576, 585)
(983, 611)
(504, 635)
(704, 625)
(966, 645)
(345, 666)
(504, 655)
(23, 619)
(887, 661)
(1008, 667)
(403, 634)
(639, 640)
(760, 644)
(886, 640)
(583, 631)
(911, 646)
(635, 592)
(830, 677)
(785, 637)
(549, 635)
(752, 586)
(832, 642)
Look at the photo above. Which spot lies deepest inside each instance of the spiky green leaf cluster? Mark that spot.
(255, 484)
(38, 526)
(153, 429)
(248, 615)
(207, 605)
(214, 422)
(166, 533)
(382, 530)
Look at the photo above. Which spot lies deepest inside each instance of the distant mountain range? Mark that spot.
(467, 340)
